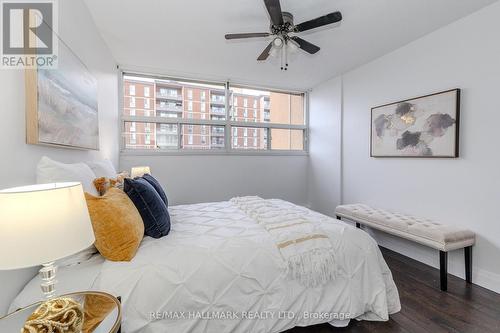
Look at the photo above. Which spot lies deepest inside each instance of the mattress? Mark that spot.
(219, 271)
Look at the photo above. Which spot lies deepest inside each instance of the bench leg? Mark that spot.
(443, 269)
(468, 263)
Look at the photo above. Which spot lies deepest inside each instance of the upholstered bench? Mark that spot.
(442, 237)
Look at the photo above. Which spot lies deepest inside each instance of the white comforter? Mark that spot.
(219, 271)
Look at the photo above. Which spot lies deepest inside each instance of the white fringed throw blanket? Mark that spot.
(306, 248)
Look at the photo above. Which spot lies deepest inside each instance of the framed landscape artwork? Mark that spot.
(426, 126)
(61, 104)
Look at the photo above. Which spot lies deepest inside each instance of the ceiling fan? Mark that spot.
(282, 26)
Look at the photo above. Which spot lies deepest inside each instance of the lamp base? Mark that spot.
(48, 276)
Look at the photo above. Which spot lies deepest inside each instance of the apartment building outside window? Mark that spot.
(131, 90)
(177, 117)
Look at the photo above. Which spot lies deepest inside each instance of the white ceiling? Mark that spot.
(186, 37)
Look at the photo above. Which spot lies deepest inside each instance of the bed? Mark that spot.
(219, 271)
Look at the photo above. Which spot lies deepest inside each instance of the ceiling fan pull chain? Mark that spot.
(282, 50)
(286, 56)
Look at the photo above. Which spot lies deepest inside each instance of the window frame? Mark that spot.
(227, 123)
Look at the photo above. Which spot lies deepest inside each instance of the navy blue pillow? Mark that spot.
(153, 210)
(150, 179)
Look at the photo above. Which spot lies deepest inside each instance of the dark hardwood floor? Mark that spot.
(424, 308)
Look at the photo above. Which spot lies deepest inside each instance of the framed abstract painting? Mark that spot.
(426, 126)
(61, 104)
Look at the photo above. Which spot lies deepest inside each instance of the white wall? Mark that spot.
(463, 191)
(18, 160)
(324, 172)
(192, 179)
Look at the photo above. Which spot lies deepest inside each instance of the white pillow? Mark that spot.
(78, 257)
(50, 171)
(103, 168)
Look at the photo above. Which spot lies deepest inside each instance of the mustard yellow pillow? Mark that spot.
(118, 226)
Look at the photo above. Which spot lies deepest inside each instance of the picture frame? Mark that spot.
(419, 127)
(61, 104)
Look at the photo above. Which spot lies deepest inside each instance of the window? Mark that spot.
(131, 90)
(257, 138)
(205, 116)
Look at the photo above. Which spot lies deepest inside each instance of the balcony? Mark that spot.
(218, 110)
(169, 107)
(217, 145)
(168, 96)
(218, 131)
(218, 99)
(166, 132)
(267, 116)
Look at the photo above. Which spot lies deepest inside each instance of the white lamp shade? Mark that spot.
(42, 223)
(139, 171)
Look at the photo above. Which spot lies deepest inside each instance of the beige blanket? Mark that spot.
(305, 247)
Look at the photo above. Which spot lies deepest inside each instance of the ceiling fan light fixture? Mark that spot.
(292, 46)
(274, 52)
(278, 42)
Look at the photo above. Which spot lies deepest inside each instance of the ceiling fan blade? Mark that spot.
(265, 54)
(319, 22)
(305, 45)
(274, 9)
(247, 35)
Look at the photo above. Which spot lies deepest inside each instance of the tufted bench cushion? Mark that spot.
(420, 230)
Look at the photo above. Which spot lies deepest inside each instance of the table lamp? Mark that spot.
(139, 171)
(40, 224)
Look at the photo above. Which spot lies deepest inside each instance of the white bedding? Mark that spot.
(217, 262)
